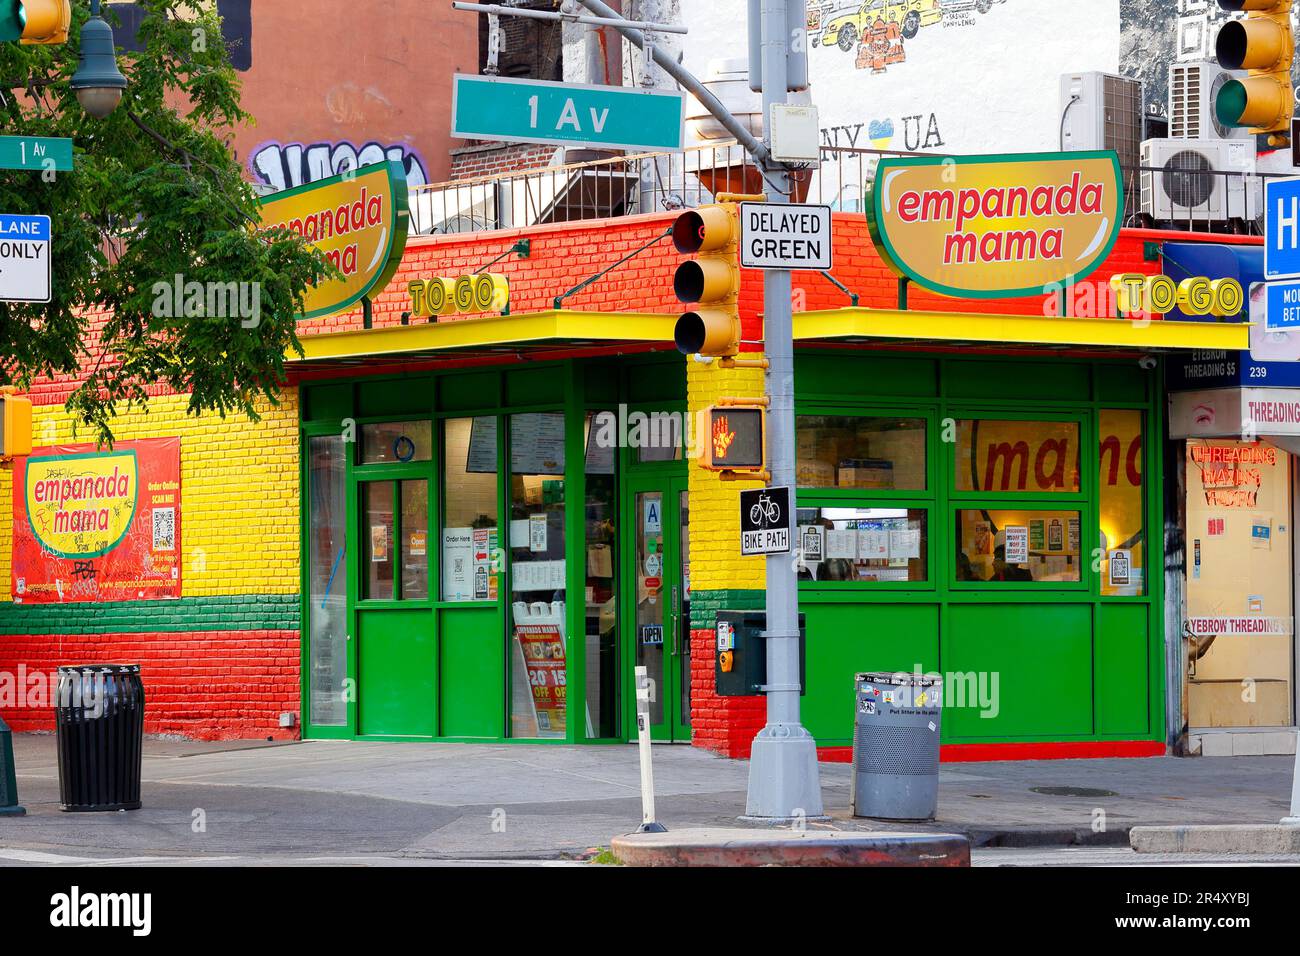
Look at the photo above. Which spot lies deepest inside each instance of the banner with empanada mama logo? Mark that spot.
(97, 525)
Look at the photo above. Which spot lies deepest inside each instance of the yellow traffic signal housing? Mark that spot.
(711, 281)
(15, 424)
(1263, 45)
(48, 22)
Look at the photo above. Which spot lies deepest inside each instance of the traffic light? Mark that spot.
(1264, 45)
(35, 22)
(711, 281)
(15, 424)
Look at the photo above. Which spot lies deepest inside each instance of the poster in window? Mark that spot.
(1017, 544)
(1121, 568)
(542, 646)
(93, 526)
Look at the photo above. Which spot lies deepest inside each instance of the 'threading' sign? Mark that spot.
(783, 236)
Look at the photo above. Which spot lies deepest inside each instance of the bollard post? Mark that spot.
(648, 822)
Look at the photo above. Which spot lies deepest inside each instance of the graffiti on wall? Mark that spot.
(286, 165)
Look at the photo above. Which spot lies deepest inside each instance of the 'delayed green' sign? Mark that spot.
(359, 219)
(567, 114)
(39, 153)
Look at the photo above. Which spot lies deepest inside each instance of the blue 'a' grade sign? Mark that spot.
(1282, 229)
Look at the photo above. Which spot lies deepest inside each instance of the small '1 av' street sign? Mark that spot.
(566, 114)
(24, 258)
(38, 153)
(765, 521)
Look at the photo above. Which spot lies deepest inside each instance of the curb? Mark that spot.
(738, 847)
(1262, 838)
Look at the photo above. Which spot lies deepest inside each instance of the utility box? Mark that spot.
(896, 746)
(740, 654)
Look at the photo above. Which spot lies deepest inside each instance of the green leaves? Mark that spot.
(156, 195)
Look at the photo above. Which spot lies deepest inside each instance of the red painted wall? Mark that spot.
(206, 685)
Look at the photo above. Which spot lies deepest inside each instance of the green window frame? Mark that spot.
(910, 499)
(1081, 502)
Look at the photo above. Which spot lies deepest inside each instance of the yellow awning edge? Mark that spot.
(860, 323)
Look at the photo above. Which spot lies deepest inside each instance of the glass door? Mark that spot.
(328, 705)
(658, 578)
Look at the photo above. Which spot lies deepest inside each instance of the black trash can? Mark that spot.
(100, 721)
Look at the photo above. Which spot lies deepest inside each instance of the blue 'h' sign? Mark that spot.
(1282, 229)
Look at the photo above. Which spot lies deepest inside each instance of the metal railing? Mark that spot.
(1186, 196)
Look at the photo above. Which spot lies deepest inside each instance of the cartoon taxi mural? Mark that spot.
(845, 24)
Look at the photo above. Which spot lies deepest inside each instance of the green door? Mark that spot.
(396, 653)
(657, 577)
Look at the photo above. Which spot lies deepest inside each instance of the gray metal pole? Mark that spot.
(783, 776)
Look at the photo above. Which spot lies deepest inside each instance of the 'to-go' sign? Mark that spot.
(358, 219)
(996, 226)
(1197, 295)
(481, 292)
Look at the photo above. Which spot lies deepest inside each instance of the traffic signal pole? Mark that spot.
(784, 782)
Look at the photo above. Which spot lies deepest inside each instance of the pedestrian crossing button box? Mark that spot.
(740, 655)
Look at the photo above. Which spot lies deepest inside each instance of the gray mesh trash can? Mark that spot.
(896, 746)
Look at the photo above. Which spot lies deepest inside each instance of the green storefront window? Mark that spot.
(861, 545)
(470, 569)
(1018, 545)
(396, 441)
(539, 665)
(415, 540)
(1016, 456)
(878, 453)
(377, 541)
(1123, 496)
(601, 596)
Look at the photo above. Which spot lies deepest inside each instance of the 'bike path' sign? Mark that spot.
(765, 521)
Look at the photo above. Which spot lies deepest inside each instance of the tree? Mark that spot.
(157, 197)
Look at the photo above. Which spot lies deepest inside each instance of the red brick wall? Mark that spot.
(493, 159)
(206, 685)
(565, 254)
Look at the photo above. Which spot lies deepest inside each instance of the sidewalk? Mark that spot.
(455, 801)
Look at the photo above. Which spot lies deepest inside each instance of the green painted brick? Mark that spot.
(257, 612)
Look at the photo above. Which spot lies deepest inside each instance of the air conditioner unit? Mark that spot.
(1102, 111)
(1180, 185)
(1193, 89)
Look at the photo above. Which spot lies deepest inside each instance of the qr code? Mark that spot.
(164, 529)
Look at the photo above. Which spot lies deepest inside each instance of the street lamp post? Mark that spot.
(98, 82)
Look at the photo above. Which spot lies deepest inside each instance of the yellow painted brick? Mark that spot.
(239, 492)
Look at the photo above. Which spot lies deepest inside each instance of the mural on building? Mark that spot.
(286, 165)
(960, 76)
(877, 32)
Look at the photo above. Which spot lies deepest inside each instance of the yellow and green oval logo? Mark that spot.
(81, 506)
(996, 226)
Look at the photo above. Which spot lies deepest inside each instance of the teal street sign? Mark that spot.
(534, 111)
(36, 152)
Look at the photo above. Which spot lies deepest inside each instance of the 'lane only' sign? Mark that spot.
(785, 236)
(765, 521)
(24, 258)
